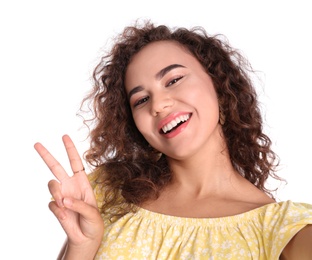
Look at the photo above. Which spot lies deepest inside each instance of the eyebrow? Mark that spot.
(165, 70)
(158, 76)
(134, 90)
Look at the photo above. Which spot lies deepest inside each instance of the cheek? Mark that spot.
(146, 128)
(136, 120)
(205, 99)
(141, 123)
(202, 97)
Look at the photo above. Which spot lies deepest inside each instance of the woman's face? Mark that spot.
(173, 100)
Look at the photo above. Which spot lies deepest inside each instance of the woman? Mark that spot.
(180, 159)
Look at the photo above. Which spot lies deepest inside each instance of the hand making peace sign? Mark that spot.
(74, 203)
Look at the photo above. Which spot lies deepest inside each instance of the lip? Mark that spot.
(171, 117)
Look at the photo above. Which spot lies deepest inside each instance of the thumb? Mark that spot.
(87, 211)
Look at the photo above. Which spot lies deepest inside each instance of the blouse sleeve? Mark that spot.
(98, 192)
(281, 223)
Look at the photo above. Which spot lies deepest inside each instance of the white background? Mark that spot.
(48, 50)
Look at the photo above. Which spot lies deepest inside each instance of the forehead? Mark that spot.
(160, 51)
(157, 55)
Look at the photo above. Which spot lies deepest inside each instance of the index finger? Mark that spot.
(54, 166)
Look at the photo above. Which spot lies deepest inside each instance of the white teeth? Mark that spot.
(175, 122)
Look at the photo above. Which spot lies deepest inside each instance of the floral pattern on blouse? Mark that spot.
(261, 233)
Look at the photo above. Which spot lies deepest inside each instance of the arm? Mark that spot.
(300, 247)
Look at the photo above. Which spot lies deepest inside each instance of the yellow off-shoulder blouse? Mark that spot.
(261, 233)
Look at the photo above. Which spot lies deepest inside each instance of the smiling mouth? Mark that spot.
(174, 124)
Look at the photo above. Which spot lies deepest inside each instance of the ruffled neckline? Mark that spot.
(217, 221)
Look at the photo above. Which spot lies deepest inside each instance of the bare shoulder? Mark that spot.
(300, 246)
(250, 197)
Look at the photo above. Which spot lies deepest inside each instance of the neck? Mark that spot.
(205, 173)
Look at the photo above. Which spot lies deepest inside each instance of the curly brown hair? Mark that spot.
(128, 167)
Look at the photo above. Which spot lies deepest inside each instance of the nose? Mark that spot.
(161, 104)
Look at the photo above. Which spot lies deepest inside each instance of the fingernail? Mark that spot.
(67, 202)
(59, 202)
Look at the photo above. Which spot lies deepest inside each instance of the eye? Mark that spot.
(175, 80)
(140, 101)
